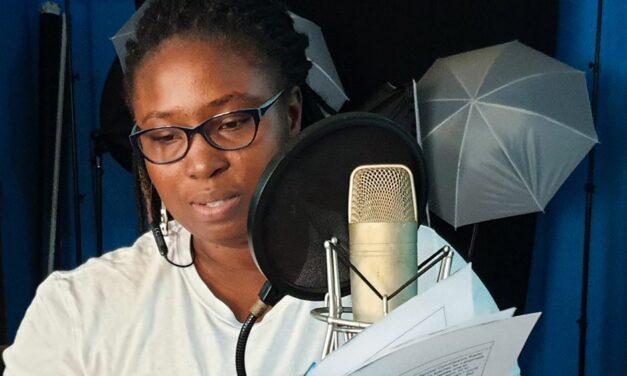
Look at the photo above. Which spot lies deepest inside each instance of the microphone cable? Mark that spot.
(268, 296)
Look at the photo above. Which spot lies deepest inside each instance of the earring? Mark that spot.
(163, 225)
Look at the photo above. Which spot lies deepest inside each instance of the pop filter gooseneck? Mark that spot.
(301, 200)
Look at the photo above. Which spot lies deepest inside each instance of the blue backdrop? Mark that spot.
(555, 283)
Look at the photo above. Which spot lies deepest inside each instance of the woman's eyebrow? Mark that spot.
(216, 103)
(157, 115)
(246, 97)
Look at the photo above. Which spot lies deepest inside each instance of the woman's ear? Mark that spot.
(294, 102)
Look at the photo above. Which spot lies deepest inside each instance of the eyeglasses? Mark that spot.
(232, 130)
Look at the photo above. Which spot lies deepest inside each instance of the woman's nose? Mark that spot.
(204, 161)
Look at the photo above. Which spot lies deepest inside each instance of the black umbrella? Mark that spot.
(115, 120)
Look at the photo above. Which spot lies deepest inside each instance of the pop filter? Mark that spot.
(301, 199)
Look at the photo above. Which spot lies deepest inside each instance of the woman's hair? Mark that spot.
(258, 29)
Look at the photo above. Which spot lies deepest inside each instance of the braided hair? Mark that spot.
(261, 29)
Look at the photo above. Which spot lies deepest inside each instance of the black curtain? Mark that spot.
(376, 41)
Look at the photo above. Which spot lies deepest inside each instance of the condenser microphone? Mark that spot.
(382, 235)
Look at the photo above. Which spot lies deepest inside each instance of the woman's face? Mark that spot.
(185, 82)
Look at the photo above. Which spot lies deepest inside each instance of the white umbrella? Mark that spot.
(502, 128)
(322, 77)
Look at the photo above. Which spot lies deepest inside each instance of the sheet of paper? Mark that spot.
(486, 349)
(446, 304)
(480, 320)
(429, 242)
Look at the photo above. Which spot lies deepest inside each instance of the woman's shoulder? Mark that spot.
(125, 260)
(89, 307)
(126, 268)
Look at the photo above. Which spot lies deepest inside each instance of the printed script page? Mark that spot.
(446, 304)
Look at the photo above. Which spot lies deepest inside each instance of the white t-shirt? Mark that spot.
(130, 312)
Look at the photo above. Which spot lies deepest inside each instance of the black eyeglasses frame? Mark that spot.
(256, 113)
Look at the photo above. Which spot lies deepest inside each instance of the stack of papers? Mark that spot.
(438, 333)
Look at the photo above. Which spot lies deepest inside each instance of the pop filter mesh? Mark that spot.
(302, 197)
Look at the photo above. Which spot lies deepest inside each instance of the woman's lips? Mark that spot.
(215, 209)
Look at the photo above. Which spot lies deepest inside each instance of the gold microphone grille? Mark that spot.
(382, 194)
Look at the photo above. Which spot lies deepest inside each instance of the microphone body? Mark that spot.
(382, 236)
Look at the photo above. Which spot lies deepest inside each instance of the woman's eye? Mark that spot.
(234, 123)
(231, 125)
(164, 136)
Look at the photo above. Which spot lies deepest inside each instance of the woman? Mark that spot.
(216, 89)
